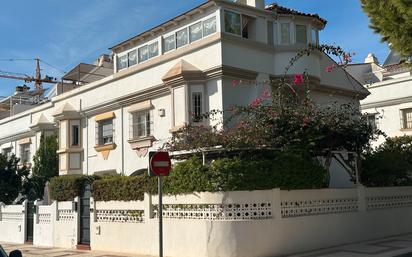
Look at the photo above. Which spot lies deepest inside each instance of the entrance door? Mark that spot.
(29, 221)
(85, 216)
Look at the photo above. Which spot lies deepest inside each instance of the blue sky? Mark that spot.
(65, 33)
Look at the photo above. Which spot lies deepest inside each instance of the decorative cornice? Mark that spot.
(18, 136)
(387, 103)
(127, 100)
(229, 71)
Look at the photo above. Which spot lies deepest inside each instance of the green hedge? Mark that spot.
(66, 188)
(120, 188)
(283, 170)
(280, 170)
(388, 165)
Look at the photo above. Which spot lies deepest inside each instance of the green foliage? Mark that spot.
(393, 20)
(283, 170)
(121, 188)
(11, 177)
(66, 188)
(389, 165)
(46, 159)
(46, 166)
(189, 176)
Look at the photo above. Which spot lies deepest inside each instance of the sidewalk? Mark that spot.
(36, 251)
(387, 247)
(398, 246)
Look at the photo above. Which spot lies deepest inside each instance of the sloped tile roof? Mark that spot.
(284, 10)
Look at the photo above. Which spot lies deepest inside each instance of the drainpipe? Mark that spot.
(86, 154)
(122, 136)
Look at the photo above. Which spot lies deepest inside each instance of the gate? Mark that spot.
(30, 221)
(85, 216)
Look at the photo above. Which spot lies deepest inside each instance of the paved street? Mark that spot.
(398, 246)
(387, 247)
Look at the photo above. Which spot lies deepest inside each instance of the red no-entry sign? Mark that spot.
(160, 164)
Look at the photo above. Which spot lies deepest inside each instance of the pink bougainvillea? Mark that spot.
(235, 83)
(255, 103)
(299, 79)
(330, 68)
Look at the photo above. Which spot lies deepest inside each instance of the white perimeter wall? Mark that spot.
(241, 224)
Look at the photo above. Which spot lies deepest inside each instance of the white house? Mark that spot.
(108, 120)
(389, 106)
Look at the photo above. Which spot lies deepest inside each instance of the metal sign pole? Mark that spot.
(159, 184)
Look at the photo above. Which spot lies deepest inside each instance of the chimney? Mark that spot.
(371, 58)
(260, 4)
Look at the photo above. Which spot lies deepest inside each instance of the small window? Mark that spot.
(285, 33)
(141, 125)
(233, 23)
(105, 132)
(153, 49)
(197, 109)
(169, 43)
(209, 26)
(25, 154)
(301, 34)
(122, 62)
(195, 32)
(182, 38)
(132, 58)
(371, 120)
(270, 31)
(143, 54)
(315, 40)
(75, 135)
(407, 118)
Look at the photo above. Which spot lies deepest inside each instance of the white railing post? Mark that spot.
(148, 207)
(55, 205)
(23, 228)
(2, 205)
(276, 205)
(37, 203)
(362, 204)
(76, 209)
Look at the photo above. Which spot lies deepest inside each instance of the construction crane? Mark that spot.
(38, 80)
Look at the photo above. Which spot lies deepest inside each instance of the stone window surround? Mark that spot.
(143, 142)
(103, 117)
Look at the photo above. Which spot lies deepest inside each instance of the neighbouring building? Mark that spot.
(110, 114)
(389, 106)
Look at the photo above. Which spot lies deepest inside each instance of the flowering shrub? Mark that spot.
(285, 118)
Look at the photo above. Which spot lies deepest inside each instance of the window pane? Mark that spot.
(209, 26)
(301, 36)
(105, 132)
(153, 49)
(169, 43)
(232, 23)
(195, 32)
(314, 37)
(285, 33)
(141, 124)
(75, 135)
(181, 38)
(132, 58)
(122, 62)
(408, 118)
(197, 106)
(143, 54)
